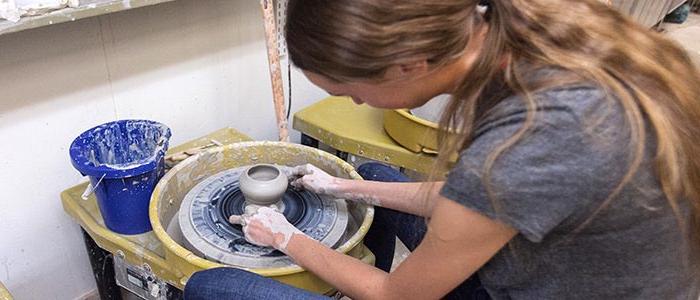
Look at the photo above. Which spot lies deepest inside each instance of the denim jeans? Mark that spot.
(410, 229)
(230, 283)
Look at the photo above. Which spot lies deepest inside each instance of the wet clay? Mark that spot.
(263, 184)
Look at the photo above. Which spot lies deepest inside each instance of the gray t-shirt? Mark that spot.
(550, 183)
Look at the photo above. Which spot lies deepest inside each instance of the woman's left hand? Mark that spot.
(266, 227)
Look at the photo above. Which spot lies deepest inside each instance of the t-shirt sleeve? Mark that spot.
(551, 173)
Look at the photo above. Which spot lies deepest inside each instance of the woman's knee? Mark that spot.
(380, 172)
(215, 282)
(218, 274)
(231, 283)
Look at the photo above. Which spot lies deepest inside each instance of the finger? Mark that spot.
(303, 170)
(236, 220)
(297, 183)
(292, 176)
(267, 210)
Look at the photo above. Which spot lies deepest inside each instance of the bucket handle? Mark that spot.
(89, 189)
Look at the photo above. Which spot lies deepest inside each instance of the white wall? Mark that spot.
(196, 65)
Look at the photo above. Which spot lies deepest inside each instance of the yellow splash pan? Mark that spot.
(168, 195)
(357, 129)
(414, 133)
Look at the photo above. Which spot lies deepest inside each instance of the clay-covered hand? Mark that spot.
(267, 228)
(315, 180)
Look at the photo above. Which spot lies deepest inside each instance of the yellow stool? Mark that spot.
(358, 130)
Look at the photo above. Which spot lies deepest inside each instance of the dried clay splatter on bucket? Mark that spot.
(139, 144)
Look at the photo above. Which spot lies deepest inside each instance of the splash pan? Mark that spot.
(339, 224)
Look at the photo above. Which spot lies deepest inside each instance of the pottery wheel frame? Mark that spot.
(212, 245)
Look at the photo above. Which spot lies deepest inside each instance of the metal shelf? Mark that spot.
(87, 8)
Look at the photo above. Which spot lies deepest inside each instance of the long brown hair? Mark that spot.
(652, 78)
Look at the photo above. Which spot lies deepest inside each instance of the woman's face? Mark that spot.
(409, 93)
(405, 86)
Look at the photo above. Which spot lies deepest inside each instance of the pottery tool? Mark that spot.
(175, 158)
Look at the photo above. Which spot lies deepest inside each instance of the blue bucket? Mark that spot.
(124, 160)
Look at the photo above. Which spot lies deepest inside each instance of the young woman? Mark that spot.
(575, 131)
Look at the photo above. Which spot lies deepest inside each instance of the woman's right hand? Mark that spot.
(312, 178)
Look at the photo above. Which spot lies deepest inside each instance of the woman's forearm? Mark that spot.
(417, 198)
(458, 242)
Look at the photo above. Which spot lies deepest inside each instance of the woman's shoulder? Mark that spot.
(579, 99)
(572, 155)
(580, 107)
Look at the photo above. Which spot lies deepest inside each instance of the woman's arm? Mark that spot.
(409, 197)
(458, 242)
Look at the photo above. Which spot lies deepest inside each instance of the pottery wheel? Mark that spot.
(204, 213)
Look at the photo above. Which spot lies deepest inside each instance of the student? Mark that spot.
(576, 130)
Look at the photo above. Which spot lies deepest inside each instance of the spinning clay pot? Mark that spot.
(263, 184)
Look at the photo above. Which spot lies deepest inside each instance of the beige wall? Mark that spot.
(647, 12)
(196, 65)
